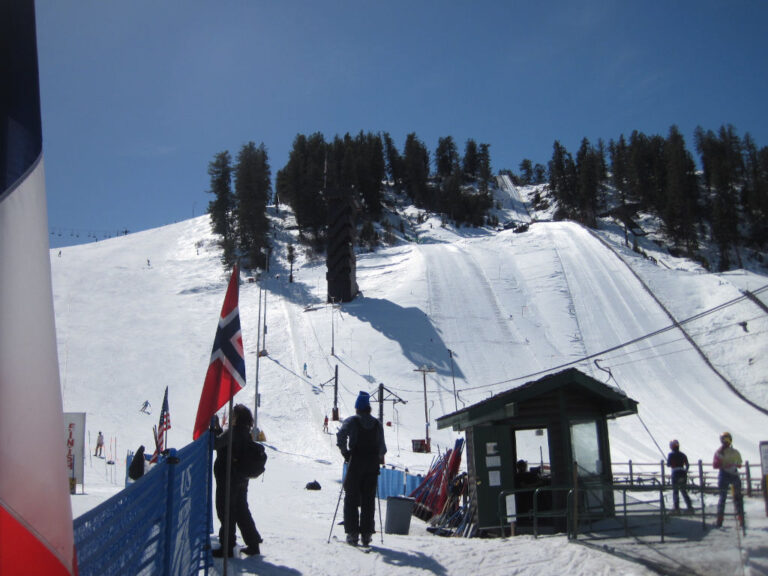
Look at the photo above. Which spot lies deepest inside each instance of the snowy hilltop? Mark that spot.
(138, 313)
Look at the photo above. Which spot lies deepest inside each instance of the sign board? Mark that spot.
(74, 430)
(764, 466)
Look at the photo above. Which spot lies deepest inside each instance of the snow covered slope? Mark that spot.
(137, 313)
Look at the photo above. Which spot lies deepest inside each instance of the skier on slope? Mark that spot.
(728, 461)
(678, 463)
(361, 441)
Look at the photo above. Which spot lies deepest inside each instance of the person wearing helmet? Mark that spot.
(728, 461)
(678, 464)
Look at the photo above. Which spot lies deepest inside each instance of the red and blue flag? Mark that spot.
(226, 370)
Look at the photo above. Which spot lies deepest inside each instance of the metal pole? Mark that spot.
(337, 503)
(332, 329)
(381, 403)
(264, 339)
(426, 413)
(424, 371)
(455, 401)
(336, 393)
(225, 544)
(255, 431)
(381, 526)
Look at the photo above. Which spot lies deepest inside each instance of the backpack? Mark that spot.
(253, 459)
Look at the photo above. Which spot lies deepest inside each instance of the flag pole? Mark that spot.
(228, 483)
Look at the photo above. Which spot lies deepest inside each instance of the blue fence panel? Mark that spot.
(393, 482)
(124, 534)
(156, 525)
(189, 540)
(411, 483)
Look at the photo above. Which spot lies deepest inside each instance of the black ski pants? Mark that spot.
(239, 514)
(360, 499)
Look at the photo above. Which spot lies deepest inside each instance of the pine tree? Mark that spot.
(526, 171)
(394, 162)
(471, 161)
(446, 157)
(222, 207)
(301, 183)
(562, 180)
(680, 212)
(291, 257)
(370, 171)
(253, 188)
(620, 180)
(755, 191)
(722, 162)
(484, 167)
(416, 161)
(588, 183)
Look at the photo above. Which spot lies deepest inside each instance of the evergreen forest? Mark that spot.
(721, 203)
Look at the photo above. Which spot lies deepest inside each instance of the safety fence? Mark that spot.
(158, 525)
(700, 475)
(635, 507)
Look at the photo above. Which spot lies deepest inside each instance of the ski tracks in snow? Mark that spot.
(453, 275)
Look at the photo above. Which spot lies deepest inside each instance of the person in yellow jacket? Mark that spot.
(728, 461)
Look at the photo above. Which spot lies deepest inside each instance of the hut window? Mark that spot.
(586, 448)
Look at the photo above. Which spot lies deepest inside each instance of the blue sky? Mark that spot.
(138, 96)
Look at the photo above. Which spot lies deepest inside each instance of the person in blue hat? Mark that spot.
(361, 442)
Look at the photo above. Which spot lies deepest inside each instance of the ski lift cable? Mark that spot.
(683, 339)
(667, 328)
(616, 382)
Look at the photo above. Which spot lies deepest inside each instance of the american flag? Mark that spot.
(163, 427)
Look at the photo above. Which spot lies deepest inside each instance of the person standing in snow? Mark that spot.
(728, 461)
(239, 513)
(325, 424)
(99, 445)
(361, 442)
(678, 463)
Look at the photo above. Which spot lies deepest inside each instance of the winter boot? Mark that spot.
(352, 539)
(251, 550)
(219, 553)
(366, 539)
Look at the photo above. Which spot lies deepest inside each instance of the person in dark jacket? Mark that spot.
(361, 442)
(136, 468)
(678, 464)
(239, 513)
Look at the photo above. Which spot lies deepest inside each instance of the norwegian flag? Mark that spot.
(226, 371)
(162, 428)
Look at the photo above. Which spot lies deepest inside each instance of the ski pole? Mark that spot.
(381, 526)
(336, 511)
